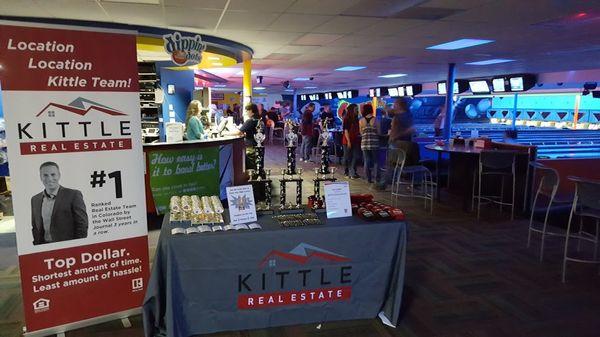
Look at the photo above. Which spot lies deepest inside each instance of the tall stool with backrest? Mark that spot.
(586, 204)
(418, 173)
(501, 164)
(548, 186)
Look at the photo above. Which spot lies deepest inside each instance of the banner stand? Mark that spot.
(60, 330)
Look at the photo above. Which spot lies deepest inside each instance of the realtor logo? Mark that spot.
(302, 254)
(137, 284)
(41, 305)
(80, 106)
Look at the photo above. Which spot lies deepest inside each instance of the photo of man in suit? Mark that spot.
(57, 213)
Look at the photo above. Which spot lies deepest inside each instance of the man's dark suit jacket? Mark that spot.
(69, 218)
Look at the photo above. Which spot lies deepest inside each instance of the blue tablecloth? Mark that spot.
(238, 280)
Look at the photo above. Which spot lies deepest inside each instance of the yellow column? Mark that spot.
(374, 104)
(247, 83)
(576, 111)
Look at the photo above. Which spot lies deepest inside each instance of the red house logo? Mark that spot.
(301, 254)
(80, 106)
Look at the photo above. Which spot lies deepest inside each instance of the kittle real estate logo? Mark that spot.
(184, 49)
(306, 274)
(80, 106)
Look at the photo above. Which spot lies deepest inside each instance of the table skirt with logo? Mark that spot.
(345, 269)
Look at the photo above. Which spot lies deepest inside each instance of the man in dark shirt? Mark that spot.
(249, 130)
(326, 113)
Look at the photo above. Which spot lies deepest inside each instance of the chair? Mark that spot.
(500, 164)
(276, 133)
(548, 187)
(417, 173)
(586, 204)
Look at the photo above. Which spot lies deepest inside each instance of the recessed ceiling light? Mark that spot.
(289, 90)
(310, 87)
(217, 64)
(214, 58)
(144, 2)
(350, 68)
(490, 61)
(459, 44)
(391, 75)
(259, 88)
(302, 79)
(220, 85)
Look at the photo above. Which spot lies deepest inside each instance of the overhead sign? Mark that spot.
(71, 106)
(184, 50)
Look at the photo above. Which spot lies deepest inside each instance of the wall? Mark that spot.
(184, 86)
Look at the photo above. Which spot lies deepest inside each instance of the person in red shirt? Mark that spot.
(351, 141)
(307, 127)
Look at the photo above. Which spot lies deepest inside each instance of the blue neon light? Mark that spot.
(350, 68)
(459, 44)
(488, 62)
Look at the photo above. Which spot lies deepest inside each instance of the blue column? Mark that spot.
(514, 114)
(294, 104)
(449, 101)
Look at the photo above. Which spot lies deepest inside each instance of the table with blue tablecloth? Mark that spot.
(343, 269)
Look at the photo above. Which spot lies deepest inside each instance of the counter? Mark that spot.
(203, 167)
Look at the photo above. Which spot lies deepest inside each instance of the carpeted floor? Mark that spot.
(463, 278)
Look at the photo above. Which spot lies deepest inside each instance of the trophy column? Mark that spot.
(260, 176)
(291, 174)
(324, 172)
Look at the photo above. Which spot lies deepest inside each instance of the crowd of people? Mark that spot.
(364, 131)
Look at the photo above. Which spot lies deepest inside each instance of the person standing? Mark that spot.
(369, 141)
(326, 113)
(194, 129)
(438, 124)
(307, 127)
(249, 130)
(351, 141)
(57, 213)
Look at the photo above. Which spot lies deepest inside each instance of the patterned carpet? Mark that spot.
(463, 278)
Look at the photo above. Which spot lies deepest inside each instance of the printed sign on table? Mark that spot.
(241, 204)
(337, 199)
(183, 172)
(71, 105)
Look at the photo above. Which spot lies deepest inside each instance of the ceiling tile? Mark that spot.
(80, 10)
(332, 7)
(380, 8)
(195, 4)
(392, 27)
(22, 8)
(346, 24)
(150, 15)
(298, 22)
(295, 49)
(455, 4)
(260, 5)
(315, 39)
(247, 21)
(200, 18)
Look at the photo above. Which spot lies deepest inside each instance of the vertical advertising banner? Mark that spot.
(71, 106)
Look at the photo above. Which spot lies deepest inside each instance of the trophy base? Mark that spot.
(320, 210)
(265, 211)
(300, 210)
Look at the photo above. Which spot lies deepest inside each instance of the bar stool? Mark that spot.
(499, 164)
(586, 204)
(548, 187)
(419, 173)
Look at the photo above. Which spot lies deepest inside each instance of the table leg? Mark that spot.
(437, 175)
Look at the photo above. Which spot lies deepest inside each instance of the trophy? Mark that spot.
(291, 174)
(260, 176)
(323, 172)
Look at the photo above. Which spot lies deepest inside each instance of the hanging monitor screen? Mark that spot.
(479, 87)
(498, 85)
(516, 83)
(393, 92)
(409, 90)
(441, 88)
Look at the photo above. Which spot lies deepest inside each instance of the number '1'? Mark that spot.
(116, 175)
